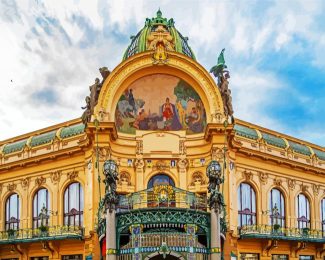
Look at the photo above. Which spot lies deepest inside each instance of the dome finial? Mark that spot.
(159, 13)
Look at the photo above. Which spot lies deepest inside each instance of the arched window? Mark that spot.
(12, 212)
(303, 211)
(160, 179)
(277, 208)
(323, 216)
(40, 208)
(246, 205)
(73, 205)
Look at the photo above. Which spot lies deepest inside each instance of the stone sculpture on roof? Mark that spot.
(92, 99)
(220, 72)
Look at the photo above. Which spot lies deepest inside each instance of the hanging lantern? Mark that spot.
(110, 166)
(214, 168)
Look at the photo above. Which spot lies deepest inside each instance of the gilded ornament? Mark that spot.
(263, 177)
(316, 189)
(197, 177)
(248, 175)
(12, 187)
(124, 178)
(291, 184)
(25, 182)
(139, 147)
(40, 181)
(277, 182)
(55, 176)
(72, 175)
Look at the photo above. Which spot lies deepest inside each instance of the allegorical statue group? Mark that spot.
(220, 72)
(92, 99)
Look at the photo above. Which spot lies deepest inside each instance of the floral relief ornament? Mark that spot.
(12, 187)
(25, 182)
(72, 175)
(248, 175)
(291, 184)
(55, 176)
(316, 189)
(40, 181)
(277, 182)
(264, 177)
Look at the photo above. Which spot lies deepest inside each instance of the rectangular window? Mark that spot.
(249, 256)
(280, 257)
(306, 257)
(72, 257)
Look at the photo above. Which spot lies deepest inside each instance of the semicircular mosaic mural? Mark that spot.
(160, 102)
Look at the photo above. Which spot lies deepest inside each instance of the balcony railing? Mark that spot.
(51, 233)
(280, 233)
(164, 196)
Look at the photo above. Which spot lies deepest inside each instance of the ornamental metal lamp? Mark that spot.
(214, 168)
(110, 166)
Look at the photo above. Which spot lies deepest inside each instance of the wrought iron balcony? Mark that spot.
(179, 242)
(162, 196)
(51, 233)
(279, 233)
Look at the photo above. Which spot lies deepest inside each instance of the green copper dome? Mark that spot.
(139, 42)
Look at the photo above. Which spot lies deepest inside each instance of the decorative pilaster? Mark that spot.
(191, 240)
(136, 230)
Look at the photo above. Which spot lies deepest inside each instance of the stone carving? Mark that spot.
(161, 166)
(125, 178)
(104, 152)
(139, 147)
(277, 182)
(110, 171)
(248, 175)
(197, 177)
(316, 189)
(55, 176)
(220, 72)
(72, 175)
(291, 184)
(263, 177)
(40, 181)
(12, 187)
(139, 164)
(182, 164)
(92, 99)
(25, 182)
(216, 153)
(182, 147)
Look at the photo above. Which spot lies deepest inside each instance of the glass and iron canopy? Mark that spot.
(140, 42)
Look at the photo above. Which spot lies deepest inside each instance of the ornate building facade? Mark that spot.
(158, 168)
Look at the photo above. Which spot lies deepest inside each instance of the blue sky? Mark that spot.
(51, 51)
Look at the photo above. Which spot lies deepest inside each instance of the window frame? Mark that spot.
(37, 218)
(246, 212)
(72, 212)
(10, 221)
(303, 219)
(279, 216)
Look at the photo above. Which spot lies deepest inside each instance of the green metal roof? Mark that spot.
(14, 147)
(139, 42)
(319, 154)
(43, 138)
(72, 130)
(274, 140)
(299, 148)
(246, 132)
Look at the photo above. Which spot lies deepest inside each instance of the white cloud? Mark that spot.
(58, 60)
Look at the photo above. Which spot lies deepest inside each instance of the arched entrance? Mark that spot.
(170, 256)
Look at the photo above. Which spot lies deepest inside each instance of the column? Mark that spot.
(215, 235)
(110, 235)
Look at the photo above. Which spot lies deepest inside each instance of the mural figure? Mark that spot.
(160, 102)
